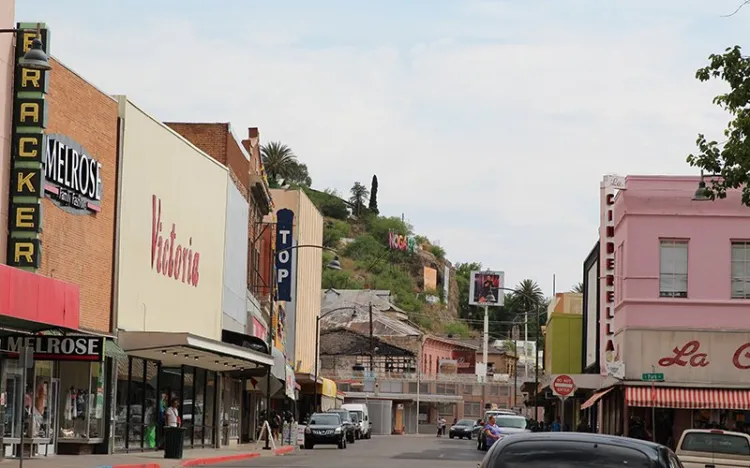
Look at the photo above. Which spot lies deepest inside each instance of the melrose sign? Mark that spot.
(169, 257)
(56, 348)
(73, 176)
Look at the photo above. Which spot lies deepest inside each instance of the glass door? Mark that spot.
(53, 411)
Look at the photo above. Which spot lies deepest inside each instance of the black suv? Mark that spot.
(346, 419)
(325, 429)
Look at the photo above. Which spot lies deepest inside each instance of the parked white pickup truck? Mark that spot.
(713, 448)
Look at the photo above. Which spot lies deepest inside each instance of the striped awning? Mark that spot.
(688, 398)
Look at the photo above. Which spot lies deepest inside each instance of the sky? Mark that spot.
(488, 123)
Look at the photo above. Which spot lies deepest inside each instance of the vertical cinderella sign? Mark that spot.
(27, 155)
(284, 229)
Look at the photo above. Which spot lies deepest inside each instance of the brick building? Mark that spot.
(58, 282)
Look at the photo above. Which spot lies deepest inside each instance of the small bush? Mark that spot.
(334, 232)
(438, 252)
(457, 329)
(364, 247)
(379, 226)
(339, 279)
(328, 203)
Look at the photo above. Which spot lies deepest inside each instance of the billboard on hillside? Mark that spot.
(486, 288)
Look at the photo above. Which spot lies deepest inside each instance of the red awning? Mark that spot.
(37, 299)
(595, 397)
(688, 398)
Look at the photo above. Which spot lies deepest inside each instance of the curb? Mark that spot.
(284, 450)
(142, 465)
(217, 460)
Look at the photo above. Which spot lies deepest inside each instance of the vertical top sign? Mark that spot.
(284, 239)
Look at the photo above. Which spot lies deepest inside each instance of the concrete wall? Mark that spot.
(234, 301)
(160, 165)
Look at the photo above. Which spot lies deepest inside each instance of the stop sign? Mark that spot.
(563, 385)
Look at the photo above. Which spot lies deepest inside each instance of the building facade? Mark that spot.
(57, 284)
(303, 307)
(7, 71)
(677, 287)
(170, 291)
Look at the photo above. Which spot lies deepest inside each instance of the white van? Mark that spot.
(365, 429)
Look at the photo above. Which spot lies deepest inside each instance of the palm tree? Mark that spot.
(359, 195)
(578, 288)
(279, 160)
(530, 298)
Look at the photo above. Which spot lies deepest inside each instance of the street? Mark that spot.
(379, 452)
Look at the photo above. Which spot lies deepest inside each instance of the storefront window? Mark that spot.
(13, 390)
(208, 417)
(199, 406)
(82, 405)
(121, 403)
(135, 404)
(151, 411)
(43, 406)
(188, 397)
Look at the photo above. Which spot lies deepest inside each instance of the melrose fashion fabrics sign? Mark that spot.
(73, 177)
(695, 357)
(56, 348)
(173, 231)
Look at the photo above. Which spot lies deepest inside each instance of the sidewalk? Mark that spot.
(192, 457)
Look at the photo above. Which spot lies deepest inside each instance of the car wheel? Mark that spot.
(451, 436)
(468, 437)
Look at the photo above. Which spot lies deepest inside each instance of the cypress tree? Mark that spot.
(374, 195)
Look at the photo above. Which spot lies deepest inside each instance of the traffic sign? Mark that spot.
(563, 386)
(652, 377)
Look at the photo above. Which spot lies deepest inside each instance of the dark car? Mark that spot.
(508, 424)
(325, 429)
(575, 450)
(357, 425)
(346, 418)
(461, 429)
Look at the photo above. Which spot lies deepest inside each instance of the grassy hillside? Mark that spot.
(367, 263)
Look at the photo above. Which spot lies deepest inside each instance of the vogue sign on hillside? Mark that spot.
(170, 256)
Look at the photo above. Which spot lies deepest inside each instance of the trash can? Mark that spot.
(174, 439)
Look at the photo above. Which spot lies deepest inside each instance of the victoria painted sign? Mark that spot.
(55, 348)
(171, 255)
(686, 356)
(284, 244)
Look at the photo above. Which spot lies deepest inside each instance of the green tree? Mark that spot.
(374, 195)
(279, 161)
(359, 196)
(298, 175)
(730, 159)
(462, 273)
(577, 288)
(528, 297)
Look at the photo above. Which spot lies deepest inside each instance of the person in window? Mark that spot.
(172, 414)
(491, 432)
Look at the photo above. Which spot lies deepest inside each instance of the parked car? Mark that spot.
(576, 449)
(346, 419)
(360, 409)
(496, 412)
(508, 424)
(461, 429)
(713, 447)
(325, 429)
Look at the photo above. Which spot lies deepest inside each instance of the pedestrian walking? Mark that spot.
(440, 426)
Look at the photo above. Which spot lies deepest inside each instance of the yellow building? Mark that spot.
(563, 334)
(304, 308)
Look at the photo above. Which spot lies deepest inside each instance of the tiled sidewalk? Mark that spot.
(192, 457)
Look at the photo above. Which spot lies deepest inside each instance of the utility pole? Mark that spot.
(372, 348)
(526, 346)
(486, 341)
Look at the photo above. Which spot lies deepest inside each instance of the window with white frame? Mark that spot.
(673, 268)
(740, 269)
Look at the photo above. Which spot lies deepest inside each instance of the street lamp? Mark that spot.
(317, 346)
(34, 58)
(701, 194)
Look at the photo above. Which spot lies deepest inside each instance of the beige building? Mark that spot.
(302, 311)
(7, 60)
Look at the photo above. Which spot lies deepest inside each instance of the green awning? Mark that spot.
(113, 350)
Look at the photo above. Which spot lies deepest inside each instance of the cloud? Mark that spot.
(488, 123)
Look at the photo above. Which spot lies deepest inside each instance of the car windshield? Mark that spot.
(343, 415)
(355, 418)
(325, 420)
(514, 422)
(465, 422)
(360, 415)
(709, 442)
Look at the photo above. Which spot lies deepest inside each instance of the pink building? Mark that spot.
(7, 60)
(673, 303)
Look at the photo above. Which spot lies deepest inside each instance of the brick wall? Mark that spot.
(79, 248)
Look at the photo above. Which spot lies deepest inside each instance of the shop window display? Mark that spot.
(39, 399)
(82, 404)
